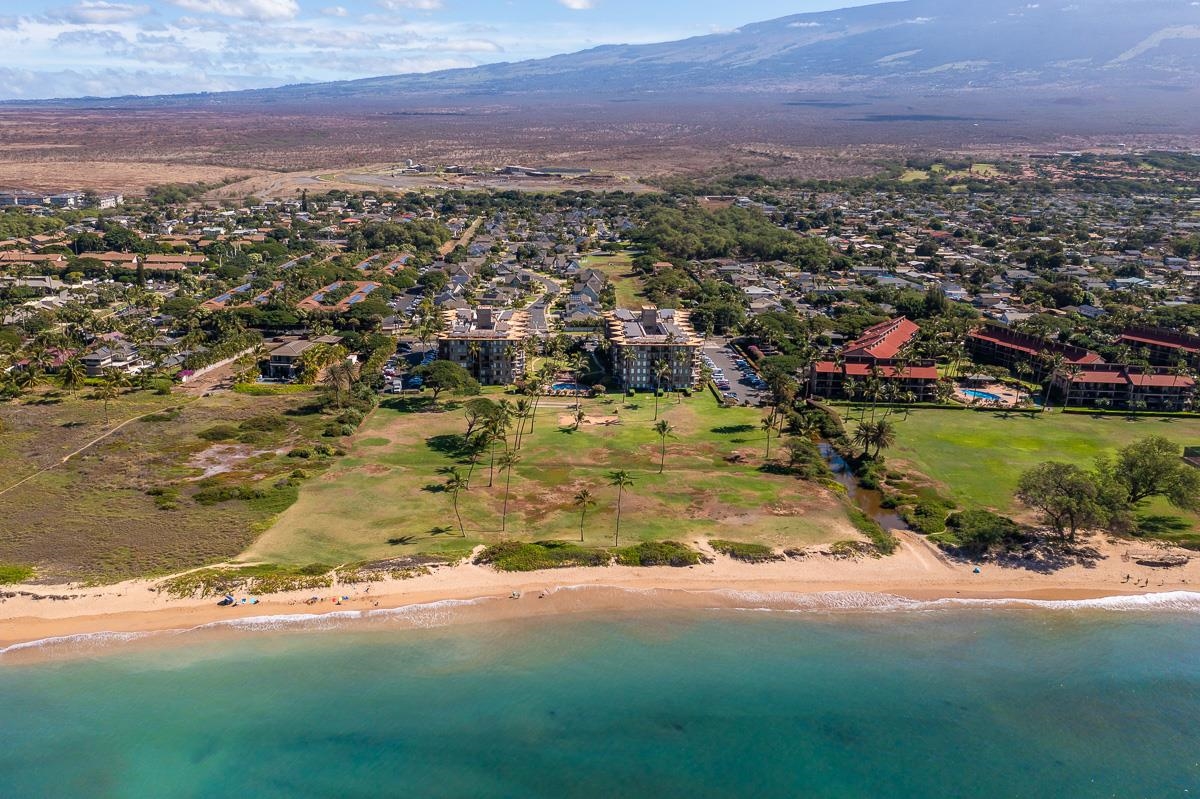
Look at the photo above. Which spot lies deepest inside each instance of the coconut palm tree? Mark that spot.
(495, 430)
(662, 371)
(583, 501)
(454, 485)
(521, 412)
(664, 430)
(71, 375)
(620, 480)
(107, 391)
(508, 460)
(340, 378)
(768, 426)
(580, 415)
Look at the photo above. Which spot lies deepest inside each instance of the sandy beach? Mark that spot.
(916, 572)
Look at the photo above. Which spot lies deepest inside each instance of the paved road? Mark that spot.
(538, 321)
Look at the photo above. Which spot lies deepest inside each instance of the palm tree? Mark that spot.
(340, 378)
(583, 501)
(1072, 373)
(507, 461)
(621, 480)
(495, 430)
(454, 485)
(107, 392)
(475, 445)
(662, 371)
(664, 429)
(521, 413)
(768, 426)
(71, 375)
(580, 415)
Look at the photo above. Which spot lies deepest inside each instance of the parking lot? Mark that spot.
(743, 383)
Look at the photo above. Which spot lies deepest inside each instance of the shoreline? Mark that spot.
(915, 574)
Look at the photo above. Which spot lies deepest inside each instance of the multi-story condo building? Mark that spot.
(487, 342)
(1163, 347)
(1105, 385)
(653, 349)
(877, 356)
(1001, 346)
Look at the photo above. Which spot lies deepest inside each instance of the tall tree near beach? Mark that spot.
(620, 480)
(1067, 497)
(583, 502)
(664, 430)
(662, 371)
(508, 460)
(454, 485)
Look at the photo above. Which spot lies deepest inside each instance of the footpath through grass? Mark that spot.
(386, 498)
(979, 456)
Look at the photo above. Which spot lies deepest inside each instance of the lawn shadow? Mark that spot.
(434, 488)
(451, 444)
(407, 404)
(403, 540)
(1159, 524)
(442, 530)
(731, 430)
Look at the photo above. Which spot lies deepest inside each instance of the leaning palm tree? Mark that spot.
(507, 461)
(580, 415)
(621, 480)
(454, 485)
(664, 430)
(583, 501)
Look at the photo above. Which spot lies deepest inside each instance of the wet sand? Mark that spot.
(916, 572)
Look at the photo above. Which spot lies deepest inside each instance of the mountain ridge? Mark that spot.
(908, 47)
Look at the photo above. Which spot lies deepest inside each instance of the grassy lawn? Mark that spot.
(979, 456)
(384, 499)
(618, 269)
(94, 518)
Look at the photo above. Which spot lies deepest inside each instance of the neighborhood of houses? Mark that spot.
(1072, 290)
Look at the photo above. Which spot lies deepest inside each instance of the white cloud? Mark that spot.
(99, 12)
(578, 5)
(415, 5)
(335, 11)
(243, 9)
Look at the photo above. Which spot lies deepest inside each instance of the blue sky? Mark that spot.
(66, 48)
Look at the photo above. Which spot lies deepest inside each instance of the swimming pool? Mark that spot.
(567, 387)
(983, 395)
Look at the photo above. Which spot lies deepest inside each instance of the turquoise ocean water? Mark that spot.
(917, 701)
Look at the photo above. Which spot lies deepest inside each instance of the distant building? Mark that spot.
(1163, 347)
(486, 342)
(877, 355)
(285, 359)
(643, 341)
(1001, 346)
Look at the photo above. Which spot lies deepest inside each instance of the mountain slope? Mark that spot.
(917, 45)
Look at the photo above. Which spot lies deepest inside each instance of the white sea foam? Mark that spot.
(1174, 601)
(74, 642)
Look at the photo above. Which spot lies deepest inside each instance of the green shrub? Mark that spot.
(518, 556)
(10, 573)
(220, 432)
(927, 517)
(303, 453)
(883, 541)
(747, 553)
(265, 424)
(658, 553)
(980, 531)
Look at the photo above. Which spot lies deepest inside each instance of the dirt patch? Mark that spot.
(589, 421)
(224, 458)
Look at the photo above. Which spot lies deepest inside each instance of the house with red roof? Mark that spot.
(878, 355)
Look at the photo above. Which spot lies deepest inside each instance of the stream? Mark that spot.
(868, 500)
